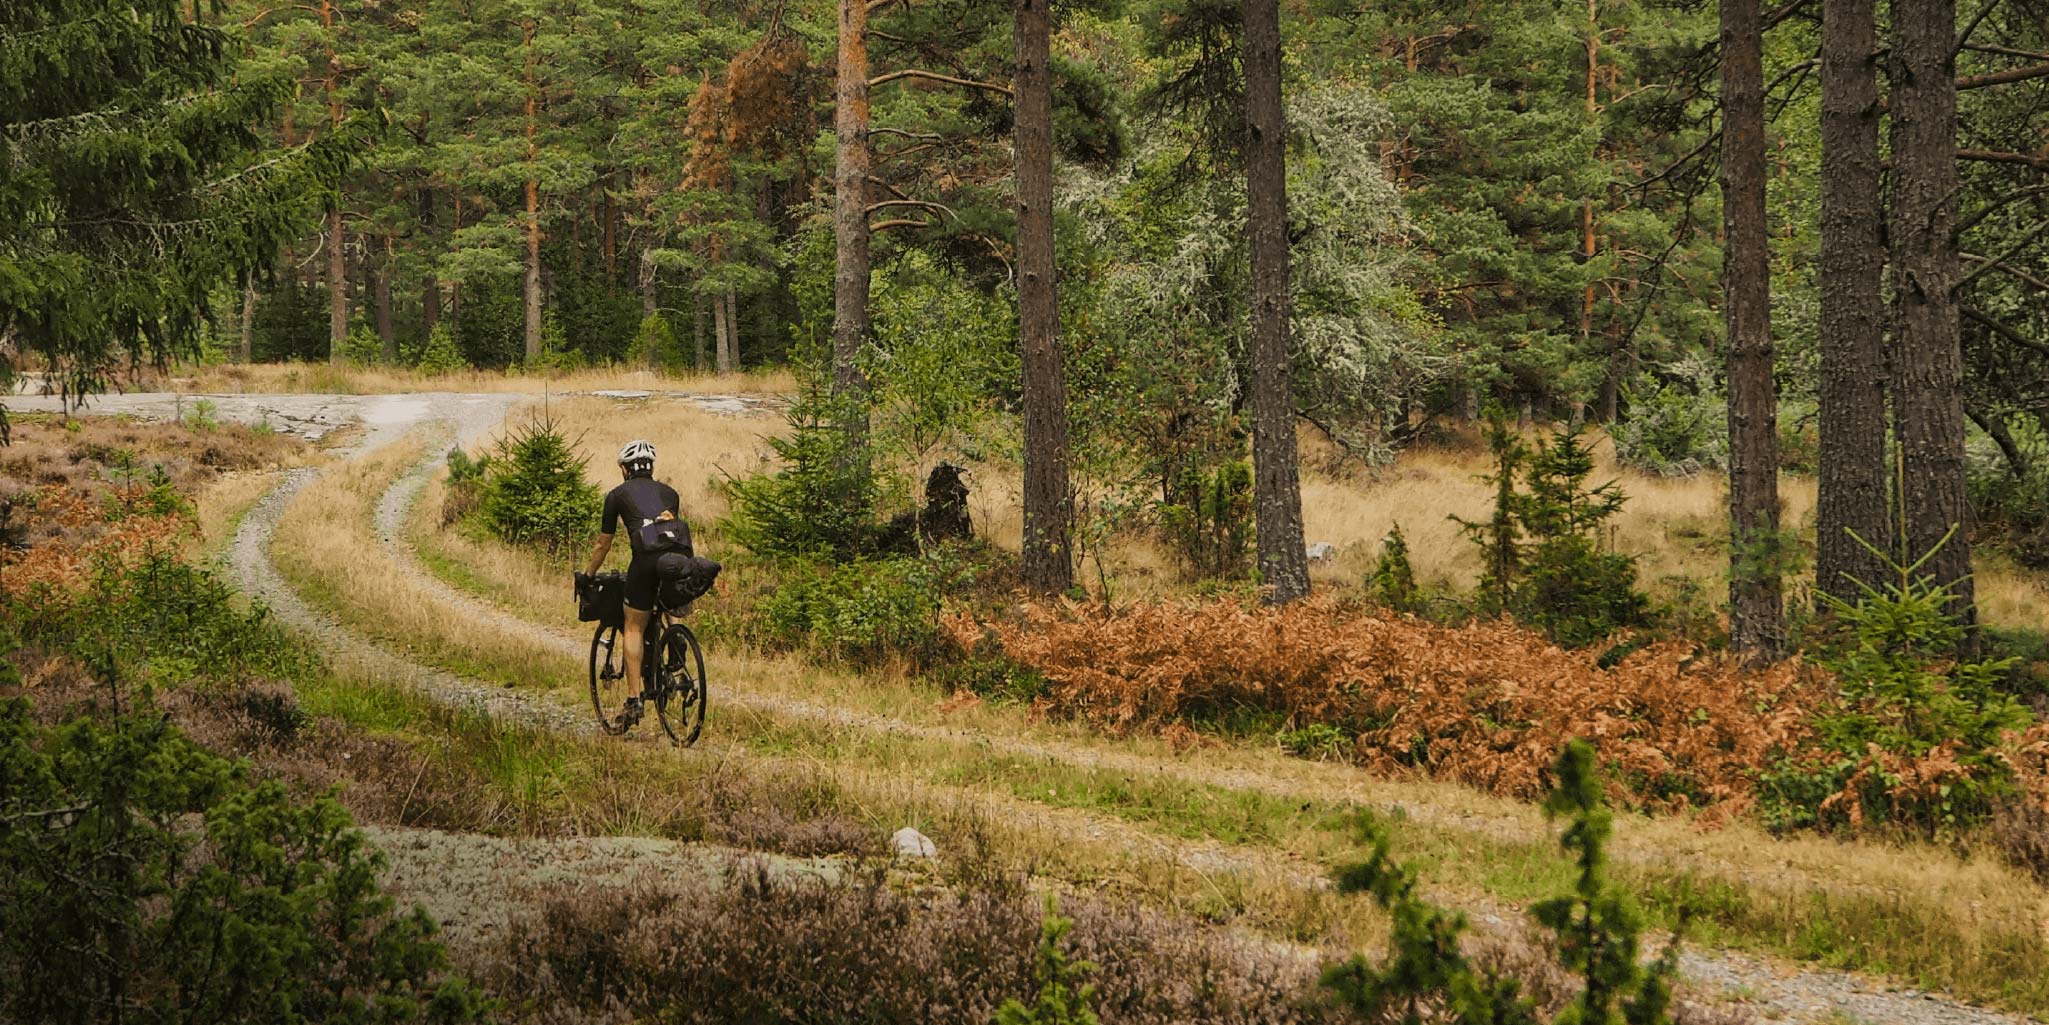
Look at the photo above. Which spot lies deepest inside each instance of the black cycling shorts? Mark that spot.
(641, 581)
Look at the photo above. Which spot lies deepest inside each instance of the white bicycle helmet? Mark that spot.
(639, 450)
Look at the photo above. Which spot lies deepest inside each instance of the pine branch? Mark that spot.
(2038, 161)
(933, 76)
(1996, 205)
(2001, 329)
(2015, 250)
(2006, 77)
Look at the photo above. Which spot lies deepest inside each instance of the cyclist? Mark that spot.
(639, 500)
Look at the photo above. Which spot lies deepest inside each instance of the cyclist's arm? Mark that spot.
(598, 553)
(608, 526)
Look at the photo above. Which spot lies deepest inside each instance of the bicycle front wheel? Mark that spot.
(680, 702)
(609, 686)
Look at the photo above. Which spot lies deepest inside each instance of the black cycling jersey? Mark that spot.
(639, 502)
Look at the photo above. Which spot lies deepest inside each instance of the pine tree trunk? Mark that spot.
(850, 219)
(380, 302)
(608, 214)
(697, 333)
(1277, 490)
(1853, 356)
(1756, 626)
(647, 284)
(732, 359)
(430, 289)
(1048, 564)
(533, 211)
(718, 331)
(246, 353)
(337, 288)
(1928, 364)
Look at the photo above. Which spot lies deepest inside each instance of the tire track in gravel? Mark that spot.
(1776, 990)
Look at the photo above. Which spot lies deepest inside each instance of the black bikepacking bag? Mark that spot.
(603, 600)
(664, 536)
(683, 579)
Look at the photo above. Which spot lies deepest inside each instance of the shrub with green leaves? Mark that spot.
(654, 346)
(361, 347)
(858, 611)
(1677, 432)
(535, 492)
(820, 503)
(168, 621)
(1914, 736)
(144, 879)
(1595, 933)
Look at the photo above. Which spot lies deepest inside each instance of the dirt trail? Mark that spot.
(1775, 990)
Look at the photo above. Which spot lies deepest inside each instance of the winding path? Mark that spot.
(1774, 989)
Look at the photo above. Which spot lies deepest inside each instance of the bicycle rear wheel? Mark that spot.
(680, 701)
(609, 686)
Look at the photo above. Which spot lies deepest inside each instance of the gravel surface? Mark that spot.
(1775, 990)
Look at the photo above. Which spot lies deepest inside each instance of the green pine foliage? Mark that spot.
(142, 878)
(535, 492)
(1545, 557)
(1064, 996)
(442, 354)
(1906, 706)
(654, 346)
(134, 182)
(820, 503)
(1393, 580)
(1596, 933)
(1210, 522)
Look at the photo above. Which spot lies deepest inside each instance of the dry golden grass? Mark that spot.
(222, 503)
(325, 548)
(696, 448)
(273, 378)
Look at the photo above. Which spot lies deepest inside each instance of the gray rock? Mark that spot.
(1322, 551)
(909, 843)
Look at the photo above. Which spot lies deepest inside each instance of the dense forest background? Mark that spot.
(1493, 202)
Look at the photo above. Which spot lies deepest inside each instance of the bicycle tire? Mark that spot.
(607, 657)
(679, 704)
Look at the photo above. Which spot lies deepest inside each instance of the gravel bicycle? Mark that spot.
(672, 674)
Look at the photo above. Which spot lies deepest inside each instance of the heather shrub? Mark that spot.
(142, 878)
(873, 952)
(167, 621)
(534, 490)
(1064, 995)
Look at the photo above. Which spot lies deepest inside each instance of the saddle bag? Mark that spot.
(682, 579)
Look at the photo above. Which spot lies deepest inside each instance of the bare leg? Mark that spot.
(636, 629)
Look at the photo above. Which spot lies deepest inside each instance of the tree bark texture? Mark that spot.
(246, 352)
(718, 332)
(1928, 355)
(1756, 625)
(697, 333)
(729, 346)
(1048, 562)
(533, 209)
(1853, 358)
(430, 287)
(337, 287)
(850, 218)
(1277, 488)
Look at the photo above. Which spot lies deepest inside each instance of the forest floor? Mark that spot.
(347, 551)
